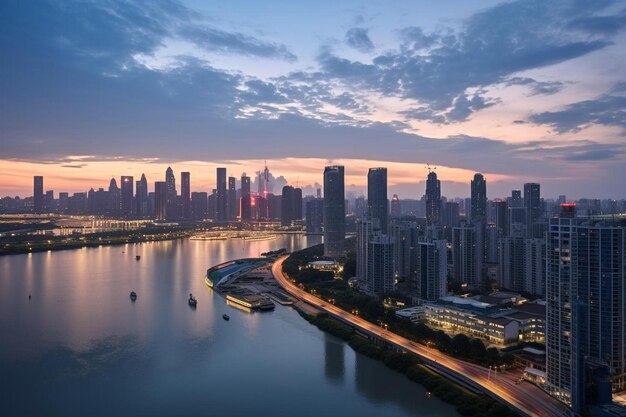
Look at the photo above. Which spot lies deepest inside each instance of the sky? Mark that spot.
(521, 91)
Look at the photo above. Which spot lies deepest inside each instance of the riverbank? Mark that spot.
(467, 404)
(42, 243)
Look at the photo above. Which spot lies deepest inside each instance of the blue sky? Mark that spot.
(521, 91)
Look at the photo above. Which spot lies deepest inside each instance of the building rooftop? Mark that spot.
(469, 302)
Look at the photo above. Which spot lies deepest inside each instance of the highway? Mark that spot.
(525, 398)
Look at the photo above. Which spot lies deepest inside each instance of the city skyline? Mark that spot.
(199, 85)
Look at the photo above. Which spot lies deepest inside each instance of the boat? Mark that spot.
(226, 317)
(133, 295)
(137, 257)
(192, 301)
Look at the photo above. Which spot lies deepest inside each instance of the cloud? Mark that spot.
(608, 25)
(211, 39)
(537, 87)
(359, 39)
(608, 109)
(438, 68)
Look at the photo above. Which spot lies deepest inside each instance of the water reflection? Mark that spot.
(82, 347)
(334, 358)
(410, 397)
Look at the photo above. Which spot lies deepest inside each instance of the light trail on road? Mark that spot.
(527, 398)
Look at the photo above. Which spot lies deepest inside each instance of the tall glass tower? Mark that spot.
(334, 211)
(377, 205)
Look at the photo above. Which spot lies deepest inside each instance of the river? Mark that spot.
(80, 347)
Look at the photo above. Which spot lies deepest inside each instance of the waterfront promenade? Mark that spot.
(525, 398)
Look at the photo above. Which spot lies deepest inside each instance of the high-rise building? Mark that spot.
(400, 234)
(532, 205)
(516, 199)
(199, 205)
(450, 214)
(560, 299)
(221, 209)
(334, 211)
(172, 194)
(297, 204)
(63, 202)
(380, 264)
(233, 207)
(585, 299)
(364, 232)
(291, 205)
(245, 209)
(141, 197)
(502, 217)
(478, 213)
(467, 256)
(185, 193)
(212, 205)
(113, 205)
(314, 215)
(432, 269)
(48, 201)
(160, 200)
(599, 268)
(396, 208)
(377, 205)
(522, 264)
(126, 196)
(286, 214)
(38, 194)
(433, 198)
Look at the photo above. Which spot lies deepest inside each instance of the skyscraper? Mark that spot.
(478, 213)
(532, 205)
(141, 197)
(199, 205)
(160, 200)
(432, 269)
(502, 217)
(233, 207)
(185, 193)
(286, 214)
(377, 205)
(314, 215)
(221, 213)
(396, 208)
(585, 299)
(245, 210)
(380, 264)
(126, 196)
(113, 206)
(433, 198)
(172, 194)
(467, 256)
(38, 194)
(334, 211)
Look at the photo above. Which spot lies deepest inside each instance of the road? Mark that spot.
(526, 398)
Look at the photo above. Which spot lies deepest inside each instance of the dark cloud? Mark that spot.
(609, 110)
(464, 106)
(600, 24)
(359, 39)
(578, 151)
(438, 68)
(212, 39)
(537, 87)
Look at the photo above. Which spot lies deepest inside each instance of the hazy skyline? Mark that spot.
(521, 91)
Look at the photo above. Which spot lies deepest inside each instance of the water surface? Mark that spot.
(81, 347)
